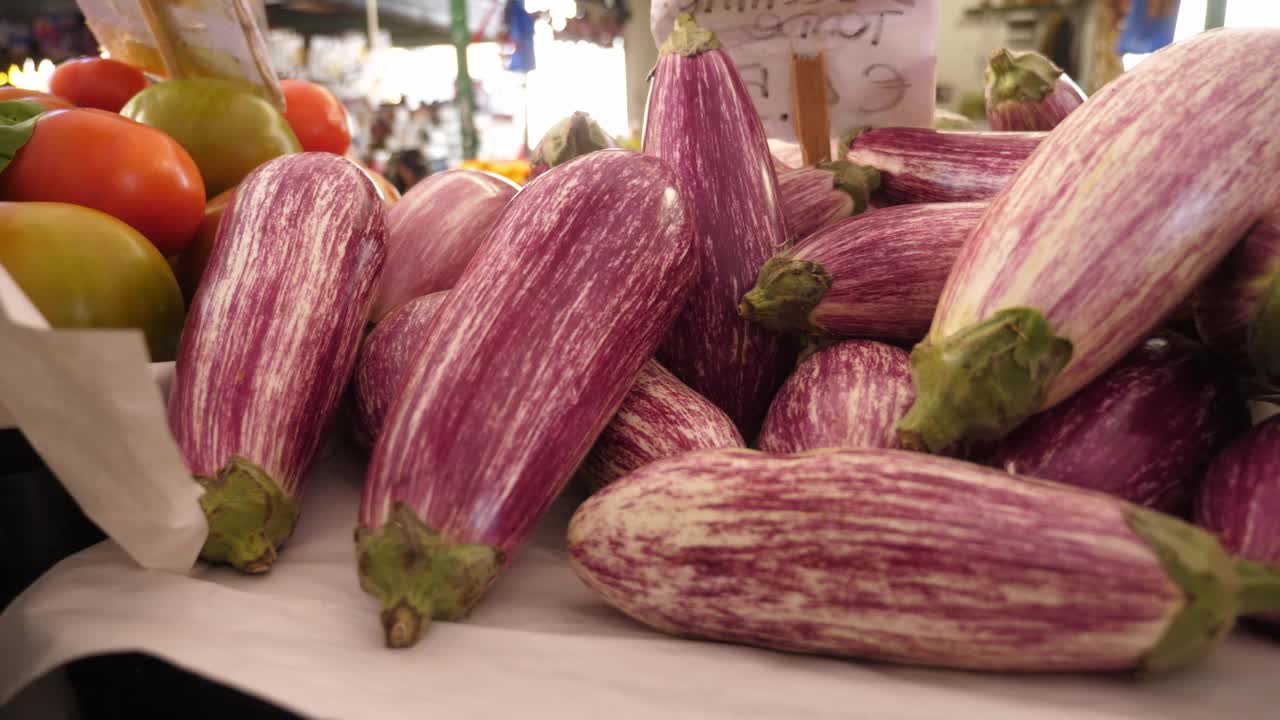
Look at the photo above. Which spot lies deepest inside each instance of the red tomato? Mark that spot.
(316, 116)
(97, 82)
(110, 163)
(49, 102)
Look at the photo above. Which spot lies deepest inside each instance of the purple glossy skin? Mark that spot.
(534, 349)
(1037, 116)
(1144, 431)
(387, 353)
(1240, 499)
(271, 336)
(434, 230)
(702, 122)
(811, 201)
(850, 394)
(660, 417)
(919, 165)
(882, 554)
(888, 268)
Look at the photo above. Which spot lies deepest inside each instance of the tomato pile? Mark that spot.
(112, 186)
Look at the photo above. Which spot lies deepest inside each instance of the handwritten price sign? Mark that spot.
(880, 54)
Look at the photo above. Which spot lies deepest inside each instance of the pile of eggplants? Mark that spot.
(753, 366)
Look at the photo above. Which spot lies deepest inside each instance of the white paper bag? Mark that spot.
(89, 403)
(880, 54)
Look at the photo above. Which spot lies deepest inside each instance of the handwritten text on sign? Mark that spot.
(880, 54)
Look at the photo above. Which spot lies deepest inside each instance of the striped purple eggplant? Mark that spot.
(660, 417)
(1123, 210)
(850, 394)
(918, 165)
(908, 558)
(1237, 310)
(1026, 92)
(434, 230)
(572, 137)
(877, 275)
(270, 342)
(387, 353)
(531, 353)
(1240, 499)
(703, 124)
(816, 196)
(1143, 431)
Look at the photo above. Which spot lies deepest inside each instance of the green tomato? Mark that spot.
(82, 268)
(226, 127)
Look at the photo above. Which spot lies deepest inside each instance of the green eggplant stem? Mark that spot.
(1259, 587)
(785, 294)
(1020, 76)
(1194, 561)
(249, 516)
(981, 382)
(858, 181)
(417, 575)
(688, 38)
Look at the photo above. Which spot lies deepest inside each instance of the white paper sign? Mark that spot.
(880, 54)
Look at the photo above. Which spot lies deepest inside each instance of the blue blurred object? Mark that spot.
(1145, 34)
(520, 32)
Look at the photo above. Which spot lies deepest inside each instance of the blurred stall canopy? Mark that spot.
(410, 22)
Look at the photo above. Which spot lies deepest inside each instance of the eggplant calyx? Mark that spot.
(1259, 587)
(688, 38)
(249, 516)
(1195, 562)
(418, 576)
(858, 181)
(785, 295)
(1019, 76)
(572, 137)
(981, 382)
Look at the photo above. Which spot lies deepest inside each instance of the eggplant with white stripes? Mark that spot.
(850, 394)
(1122, 212)
(703, 124)
(1237, 310)
(1026, 92)
(816, 196)
(919, 165)
(876, 275)
(909, 558)
(530, 355)
(660, 417)
(270, 342)
(385, 356)
(433, 231)
(1144, 431)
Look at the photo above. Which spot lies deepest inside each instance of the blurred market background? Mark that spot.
(394, 63)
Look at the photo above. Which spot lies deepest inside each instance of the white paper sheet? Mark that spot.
(539, 646)
(89, 403)
(880, 54)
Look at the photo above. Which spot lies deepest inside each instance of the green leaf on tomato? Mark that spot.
(17, 122)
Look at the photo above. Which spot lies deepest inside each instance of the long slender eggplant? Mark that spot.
(1237, 310)
(385, 357)
(1127, 206)
(1143, 431)
(270, 343)
(701, 121)
(572, 137)
(1240, 499)
(434, 230)
(814, 197)
(850, 394)
(876, 275)
(531, 354)
(918, 165)
(660, 417)
(909, 558)
(1026, 92)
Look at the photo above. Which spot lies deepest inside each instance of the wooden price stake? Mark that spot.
(809, 114)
